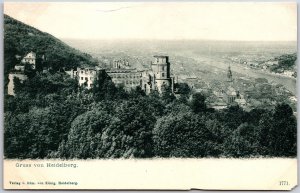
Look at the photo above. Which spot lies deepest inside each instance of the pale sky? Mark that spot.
(170, 20)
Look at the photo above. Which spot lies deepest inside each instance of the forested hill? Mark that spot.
(20, 39)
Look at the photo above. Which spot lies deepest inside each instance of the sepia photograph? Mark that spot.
(146, 84)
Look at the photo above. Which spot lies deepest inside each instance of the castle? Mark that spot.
(157, 78)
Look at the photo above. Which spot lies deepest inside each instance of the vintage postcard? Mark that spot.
(150, 95)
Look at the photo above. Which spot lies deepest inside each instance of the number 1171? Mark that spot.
(283, 183)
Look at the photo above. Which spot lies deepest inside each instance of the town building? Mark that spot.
(230, 95)
(218, 105)
(227, 95)
(241, 101)
(288, 73)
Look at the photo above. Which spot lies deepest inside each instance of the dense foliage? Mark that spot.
(52, 117)
(285, 62)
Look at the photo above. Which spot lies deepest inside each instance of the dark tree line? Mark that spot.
(51, 117)
(285, 62)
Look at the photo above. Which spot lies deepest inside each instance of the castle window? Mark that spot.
(81, 78)
(86, 79)
(81, 71)
(163, 74)
(163, 68)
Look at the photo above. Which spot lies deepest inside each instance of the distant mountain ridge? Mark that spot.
(20, 38)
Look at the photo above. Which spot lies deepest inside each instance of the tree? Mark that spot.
(84, 134)
(255, 115)
(136, 119)
(182, 135)
(16, 138)
(232, 117)
(47, 83)
(32, 135)
(198, 103)
(283, 132)
(103, 87)
(167, 95)
(243, 142)
(218, 135)
(182, 88)
(265, 124)
(29, 71)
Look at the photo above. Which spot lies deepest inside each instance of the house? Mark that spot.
(30, 58)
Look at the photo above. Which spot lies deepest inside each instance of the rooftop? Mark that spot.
(120, 70)
(32, 53)
(160, 56)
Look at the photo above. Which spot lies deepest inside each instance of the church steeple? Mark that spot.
(229, 74)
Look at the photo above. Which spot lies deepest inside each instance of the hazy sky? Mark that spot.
(205, 21)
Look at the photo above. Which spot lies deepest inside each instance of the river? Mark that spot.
(287, 82)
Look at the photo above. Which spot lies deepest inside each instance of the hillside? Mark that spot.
(20, 39)
(285, 62)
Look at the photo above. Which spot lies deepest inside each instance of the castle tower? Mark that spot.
(161, 70)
